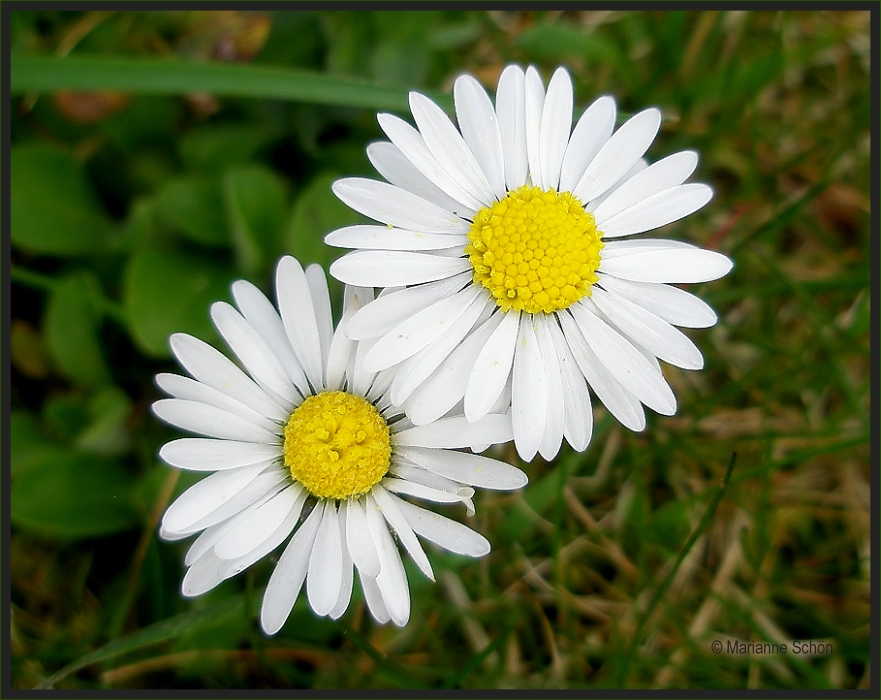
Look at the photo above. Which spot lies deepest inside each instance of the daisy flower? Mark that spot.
(506, 277)
(306, 440)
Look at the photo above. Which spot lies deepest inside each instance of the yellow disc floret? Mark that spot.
(536, 250)
(337, 445)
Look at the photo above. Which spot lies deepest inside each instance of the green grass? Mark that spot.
(132, 209)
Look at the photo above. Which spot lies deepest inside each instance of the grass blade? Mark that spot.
(662, 589)
(162, 631)
(172, 76)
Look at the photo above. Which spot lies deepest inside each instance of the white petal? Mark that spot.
(412, 145)
(287, 577)
(510, 110)
(480, 129)
(658, 210)
(492, 367)
(387, 238)
(443, 389)
(211, 535)
(648, 330)
(280, 534)
(449, 148)
(556, 122)
(390, 268)
(211, 367)
(590, 134)
(259, 524)
(392, 579)
(666, 173)
(318, 290)
(465, 468)
(456, 432)
(373, 596)
(623, 361)
(621, 403)
(389, 309)
(529, 392)
(189, 389)
(392, 205)
(635, 169)
(406, 470)
(424, 327)
(447, 533)
(205, 541)
(672, 264)
(417, 368)
(206, 454)
(298, 316)
(345, 595)
(674, 305)
(342, 349)
(388, 504)
(427, 492)
(235, 566)
(533, 99)
(207, 495)
(202, 576)
(618, 154)
(264, 319)
(207, 420)
(578, 413)
(358, 540)
(395, 167)
(552, 436)
(254, 353)
(325, 576)
(264, 485)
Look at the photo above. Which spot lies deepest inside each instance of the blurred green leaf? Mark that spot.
(53, 209)
(256, 201)
(167, 293)
(107, 433)
(194, 205)
(317, 212)
(73, 496)
(161, 631)
(28, 444)
(71, 326)
(170, 76)
(212, 148)
(66, 416)
(556, 41)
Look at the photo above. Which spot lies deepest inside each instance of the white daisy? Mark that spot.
(508, 282)
(306, 430)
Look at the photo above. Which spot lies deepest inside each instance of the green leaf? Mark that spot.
(557, 41)
(72, 495)
(167, 293)
(27, 442)
(107, 434)
(53, 209)
(212, 148)
(317, 212)
(256, 201)
(171, 76)
(71, 325)
(194, 206)
(156, 633)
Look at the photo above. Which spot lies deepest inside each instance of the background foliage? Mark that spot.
(133, 208)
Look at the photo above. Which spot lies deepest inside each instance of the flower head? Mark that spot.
(306, 430)
(505, 279)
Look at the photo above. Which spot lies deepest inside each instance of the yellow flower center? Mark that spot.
(535, 250)
(337, 445)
